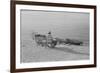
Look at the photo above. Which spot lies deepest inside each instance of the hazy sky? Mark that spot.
(61, 24)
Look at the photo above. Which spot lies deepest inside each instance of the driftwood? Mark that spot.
(42, 40)
(73, 41)
(69, 41)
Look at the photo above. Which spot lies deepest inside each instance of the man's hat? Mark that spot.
(49, 33)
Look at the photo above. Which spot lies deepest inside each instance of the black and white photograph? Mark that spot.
(54, 36)
(50, 36)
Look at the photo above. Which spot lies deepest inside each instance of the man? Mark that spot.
(51, 41)
(49, 37)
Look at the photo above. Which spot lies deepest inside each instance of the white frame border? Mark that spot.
(53, 64)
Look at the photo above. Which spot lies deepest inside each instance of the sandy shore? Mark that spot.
(32, 53)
